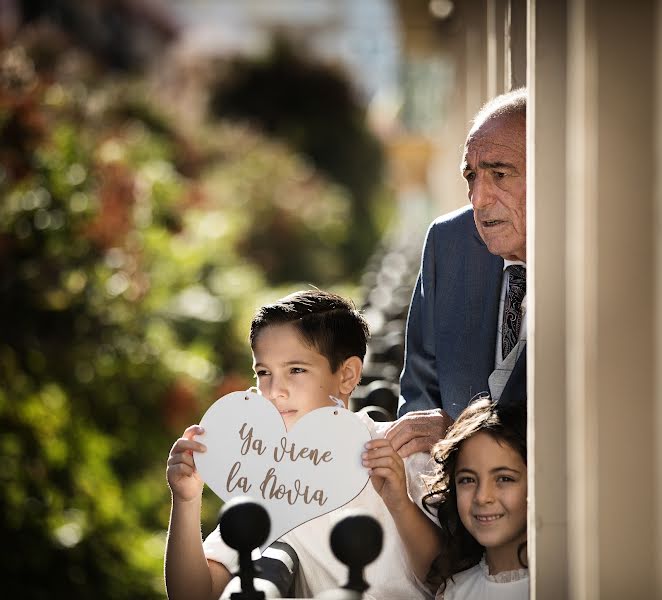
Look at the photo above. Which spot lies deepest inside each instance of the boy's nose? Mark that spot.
(277, 389)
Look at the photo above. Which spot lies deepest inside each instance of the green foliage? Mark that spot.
(131, 259)
(85, 386)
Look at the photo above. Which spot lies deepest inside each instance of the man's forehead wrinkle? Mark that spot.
(500, 127)
(486, 142)
(488, 151)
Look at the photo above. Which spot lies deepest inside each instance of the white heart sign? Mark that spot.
(296, 475)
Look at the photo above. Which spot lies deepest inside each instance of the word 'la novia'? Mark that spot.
(270, 488)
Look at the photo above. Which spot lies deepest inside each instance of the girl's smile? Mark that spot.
(491, 489)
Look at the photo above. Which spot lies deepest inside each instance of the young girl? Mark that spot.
(480, 491)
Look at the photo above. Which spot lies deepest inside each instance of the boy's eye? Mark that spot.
(295, 370)
(505, 478)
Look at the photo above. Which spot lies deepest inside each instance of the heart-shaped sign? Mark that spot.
(296, 475)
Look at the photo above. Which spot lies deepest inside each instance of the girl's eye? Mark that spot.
(464, 480)
(505, 478)
(261, 373)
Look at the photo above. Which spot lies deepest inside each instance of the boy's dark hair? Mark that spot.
(326, 322)
(506, 424)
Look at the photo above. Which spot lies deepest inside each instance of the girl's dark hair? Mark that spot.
(506, 424)
(326, 322)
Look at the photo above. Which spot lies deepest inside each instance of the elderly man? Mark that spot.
(466, 332)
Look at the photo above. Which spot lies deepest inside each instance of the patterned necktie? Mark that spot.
(512, 308)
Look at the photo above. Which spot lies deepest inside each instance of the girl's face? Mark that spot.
(491, 488)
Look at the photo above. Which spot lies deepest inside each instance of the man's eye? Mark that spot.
(499, 174)
(470, 176)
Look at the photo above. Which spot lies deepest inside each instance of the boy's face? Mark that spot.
(293, 376)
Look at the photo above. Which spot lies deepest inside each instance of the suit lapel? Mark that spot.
(483, 275)
(466, 311)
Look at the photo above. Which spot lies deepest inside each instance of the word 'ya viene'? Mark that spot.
(250, 443)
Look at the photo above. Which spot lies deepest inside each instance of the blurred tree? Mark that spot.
(121, 34)
(85, 382)
(314, 109)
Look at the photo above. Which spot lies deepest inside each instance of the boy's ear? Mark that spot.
(350, 374)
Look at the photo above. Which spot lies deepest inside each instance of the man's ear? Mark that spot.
(350, 374)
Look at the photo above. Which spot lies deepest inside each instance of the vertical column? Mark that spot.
(611, 313)
(581, 333)
(496, 42)
(475, 21)
(546, 275)
(657, 236)
(516, 44)
(625, 289)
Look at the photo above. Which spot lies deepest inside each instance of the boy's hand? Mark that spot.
(183, 477)
(387, 473)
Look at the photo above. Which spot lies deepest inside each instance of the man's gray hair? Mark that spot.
(508, 104)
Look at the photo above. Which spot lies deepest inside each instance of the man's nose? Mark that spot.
(481, 192)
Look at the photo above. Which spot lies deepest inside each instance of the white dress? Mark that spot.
(476, 583)
(390, 576)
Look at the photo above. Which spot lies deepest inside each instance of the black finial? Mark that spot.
(244, 526)
(356, 541)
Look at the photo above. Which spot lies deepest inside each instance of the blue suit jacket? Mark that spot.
(452, 322)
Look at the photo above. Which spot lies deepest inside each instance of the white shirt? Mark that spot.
(390, 577)
(477, 584)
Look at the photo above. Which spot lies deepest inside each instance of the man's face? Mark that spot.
(494, 167)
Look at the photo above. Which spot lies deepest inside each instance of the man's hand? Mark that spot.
(418, 431)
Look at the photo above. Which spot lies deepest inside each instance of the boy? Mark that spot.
(308, 350)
